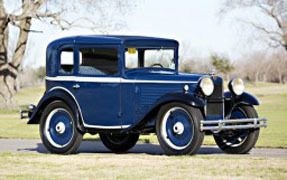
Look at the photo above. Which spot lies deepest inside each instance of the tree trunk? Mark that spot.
(256, 78)
(264, 78)
(3, 41)
(9, 69)
(280, 78)
(22, 42)
(7, 73)
(7, 90)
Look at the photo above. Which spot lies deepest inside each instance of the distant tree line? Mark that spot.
(259, 66)
(254, 67)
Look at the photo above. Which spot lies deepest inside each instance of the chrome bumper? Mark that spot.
(225, 124)
(24, 114)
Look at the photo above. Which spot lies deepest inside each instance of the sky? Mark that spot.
(195, 24)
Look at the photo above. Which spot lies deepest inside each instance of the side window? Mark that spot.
(98, 61)
(67, 61)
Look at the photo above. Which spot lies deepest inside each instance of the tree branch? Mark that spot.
(273, 9)
(262, 28)
(270, 12)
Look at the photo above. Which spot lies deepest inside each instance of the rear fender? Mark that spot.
(57, 94)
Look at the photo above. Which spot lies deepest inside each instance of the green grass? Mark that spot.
(273, 98)
(12, 127)
(30, 95)
(138, 166)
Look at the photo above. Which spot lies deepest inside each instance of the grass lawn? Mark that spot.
(143, 166)
(273, 98)
(138, 166)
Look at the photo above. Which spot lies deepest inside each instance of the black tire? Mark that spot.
(194, 116)
(247, 143)
(74, 137)
(119, 142)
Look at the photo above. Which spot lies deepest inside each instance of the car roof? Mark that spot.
(113, 39)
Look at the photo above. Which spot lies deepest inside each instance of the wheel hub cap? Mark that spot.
(60, 128)
(178, 128)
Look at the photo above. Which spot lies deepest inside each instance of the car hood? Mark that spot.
(165, 76)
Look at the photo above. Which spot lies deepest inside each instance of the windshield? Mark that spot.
(149, 58)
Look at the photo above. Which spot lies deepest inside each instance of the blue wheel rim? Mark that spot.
(240, 135)
(59, 137)
(178, 139)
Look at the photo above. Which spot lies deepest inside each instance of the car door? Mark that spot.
(97, 85)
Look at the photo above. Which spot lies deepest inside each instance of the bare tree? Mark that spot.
(256, 66)
(61, 13)
(279, 66)
(186, 63)
(259, 66)
(274, 10)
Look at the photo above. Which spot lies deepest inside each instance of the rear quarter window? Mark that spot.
(67, 61)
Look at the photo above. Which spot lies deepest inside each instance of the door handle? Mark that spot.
(76, 86)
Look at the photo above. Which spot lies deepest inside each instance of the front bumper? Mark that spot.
(231, 124)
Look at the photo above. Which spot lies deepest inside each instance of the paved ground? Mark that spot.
(25, 145)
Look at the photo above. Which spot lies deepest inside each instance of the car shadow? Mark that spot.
(140, 148)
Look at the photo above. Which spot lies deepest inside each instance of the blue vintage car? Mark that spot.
(124, 86)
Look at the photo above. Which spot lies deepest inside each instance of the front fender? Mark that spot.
(48, 97)
(231, 101)
(245, 98)
(168, 98)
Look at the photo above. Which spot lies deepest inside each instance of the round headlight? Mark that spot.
(236, 86)
(206, 85)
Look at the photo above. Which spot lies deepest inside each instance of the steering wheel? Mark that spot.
(156, 64)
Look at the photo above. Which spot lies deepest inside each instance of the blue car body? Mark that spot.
(128, 100)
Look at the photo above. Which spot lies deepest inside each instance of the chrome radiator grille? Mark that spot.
(215, 103)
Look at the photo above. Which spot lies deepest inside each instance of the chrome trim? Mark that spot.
(60, 128)
(226, 124)
(31, 107)
(24, 114)
(112, 80)
(107, 127)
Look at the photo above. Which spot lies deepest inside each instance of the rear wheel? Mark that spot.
(58, 129)
(119, 142)
(238, 141)
(178, 129)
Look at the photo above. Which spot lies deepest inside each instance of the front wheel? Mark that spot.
(178, 129)
(119, 142)
(239, 141)
(58, 129)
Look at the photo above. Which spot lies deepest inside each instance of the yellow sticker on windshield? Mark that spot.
(132, 50)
